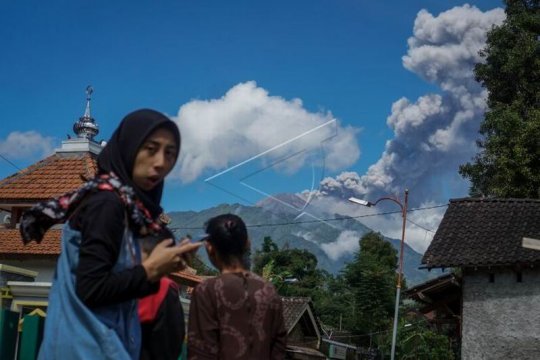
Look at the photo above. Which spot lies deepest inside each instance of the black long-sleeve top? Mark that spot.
(101, 221)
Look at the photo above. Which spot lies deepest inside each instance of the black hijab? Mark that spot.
(119, 154)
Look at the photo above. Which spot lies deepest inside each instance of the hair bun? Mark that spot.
(230, 225)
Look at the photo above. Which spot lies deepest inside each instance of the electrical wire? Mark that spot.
(420, 226)
(319, 220)
(378, 332)
(9, 162)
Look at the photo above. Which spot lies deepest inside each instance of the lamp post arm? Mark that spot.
(391, 199)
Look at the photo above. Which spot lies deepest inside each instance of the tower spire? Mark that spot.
(86, 127)
(89, 91)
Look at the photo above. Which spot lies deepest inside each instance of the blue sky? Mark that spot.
(342, 59)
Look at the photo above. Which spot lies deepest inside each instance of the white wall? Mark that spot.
(45, 268)
(501, 320)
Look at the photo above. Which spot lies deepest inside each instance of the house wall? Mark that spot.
(45, 268)
(298, 337)
(500, 319)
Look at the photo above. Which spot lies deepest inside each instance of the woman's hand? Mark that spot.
(165, 258)
(187, 256)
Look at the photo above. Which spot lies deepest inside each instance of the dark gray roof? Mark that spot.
(485, 232)
(293, 309)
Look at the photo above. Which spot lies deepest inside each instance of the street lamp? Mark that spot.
(531, 243)
(403, 206)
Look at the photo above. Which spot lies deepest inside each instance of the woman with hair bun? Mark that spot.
(237, 315)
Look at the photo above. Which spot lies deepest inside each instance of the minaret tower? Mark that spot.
(86, 127)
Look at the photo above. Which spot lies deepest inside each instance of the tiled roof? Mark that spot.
(438, 288)
(186, 278)
(485, 232)
(293, 308)
(11, 245)
(48, 178)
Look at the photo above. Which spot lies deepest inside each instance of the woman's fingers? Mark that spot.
(185, 253)
(163, 244)
(165, 258)
(188, 256)
(184, 240)
(186, 247)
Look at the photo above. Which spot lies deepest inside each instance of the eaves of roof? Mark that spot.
(485, 232)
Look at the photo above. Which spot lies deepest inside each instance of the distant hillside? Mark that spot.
(304, 233)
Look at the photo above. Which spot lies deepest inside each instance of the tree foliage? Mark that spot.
(371, 278)
(202, 269)
(419, 342)
(294, 272)
(360, 300)
(508, 164)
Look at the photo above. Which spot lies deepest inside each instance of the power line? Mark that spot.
(419, 322)
(420, 226)
(9, 162)
(319, 220)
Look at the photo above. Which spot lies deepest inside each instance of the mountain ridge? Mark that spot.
(281, 218)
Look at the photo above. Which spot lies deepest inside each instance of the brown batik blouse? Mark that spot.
(236, 316)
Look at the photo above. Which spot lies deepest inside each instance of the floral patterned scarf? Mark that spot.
(41, 217)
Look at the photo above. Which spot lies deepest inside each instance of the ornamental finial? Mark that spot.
(86, 127)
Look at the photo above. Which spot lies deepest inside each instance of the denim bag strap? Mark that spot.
(72, 331)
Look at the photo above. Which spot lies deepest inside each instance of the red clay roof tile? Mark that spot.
(11, 244)
(48, 178)
(185, 278)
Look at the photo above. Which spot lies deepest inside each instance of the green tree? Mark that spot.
(202, 269)
(336, 304)
(371, 277)
(294, 272)
(508, 163)
(268, 245)
(417, 341)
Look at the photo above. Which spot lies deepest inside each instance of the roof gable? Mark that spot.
(294, 308)
(485, 232)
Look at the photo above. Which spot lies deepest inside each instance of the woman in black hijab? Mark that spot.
(93, 302)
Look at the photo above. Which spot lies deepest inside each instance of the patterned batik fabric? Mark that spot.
(236, 316)
(41, 217)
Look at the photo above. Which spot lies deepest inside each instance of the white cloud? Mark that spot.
(247, 121)
(24, 145)
(347, 242)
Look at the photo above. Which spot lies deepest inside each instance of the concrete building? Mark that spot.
(500, 279)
